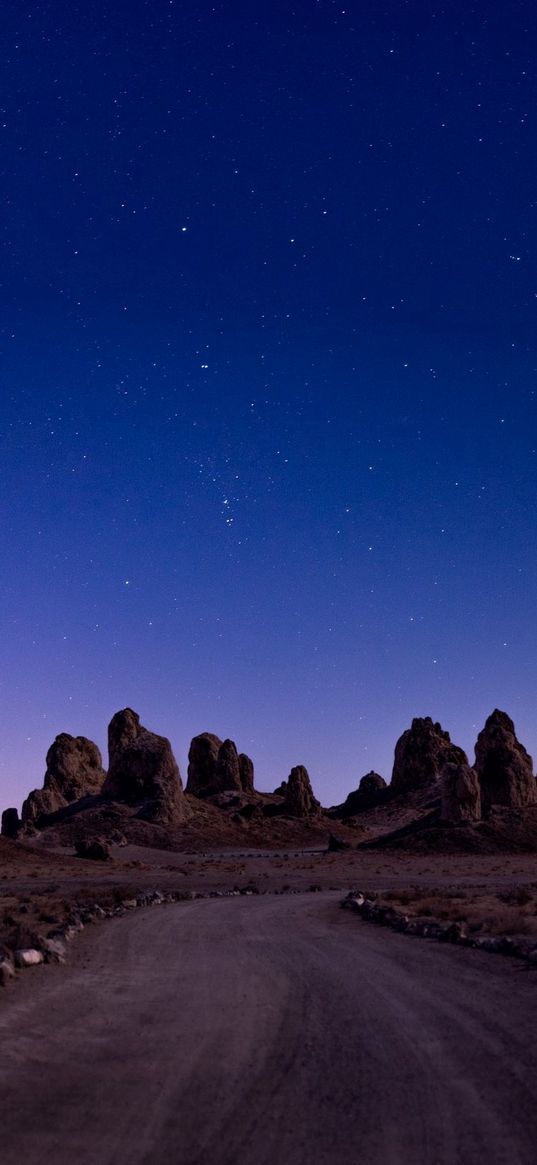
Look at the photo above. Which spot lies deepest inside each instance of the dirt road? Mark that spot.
(268, 1031)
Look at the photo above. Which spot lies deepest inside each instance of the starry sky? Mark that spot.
(268, 296)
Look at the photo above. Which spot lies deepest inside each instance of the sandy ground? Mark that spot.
(250, 1031)
(37, 888)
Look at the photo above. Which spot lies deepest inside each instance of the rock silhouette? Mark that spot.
(504, 768)
(420, 755)
(461, 793)
(299, 800)
(202, 762)
(11, 824)
(370, 792)
(215, 766)
(227, 773)
(143, 770)
(246, 769)
(74, 770)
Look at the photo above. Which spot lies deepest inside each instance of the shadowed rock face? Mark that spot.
(143, 770)
(366, 796)
(10, 823)
(246, 769)
(215, 767)
(227, 774)
(420, 755)
(202, 762)
(461, 793)
(299, 799)
(504, 768)
(371, 783)
(74, 770)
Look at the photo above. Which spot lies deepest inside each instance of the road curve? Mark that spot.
(268, 1031)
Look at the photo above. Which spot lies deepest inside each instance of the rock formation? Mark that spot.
(299, 800)
(370, 792)
(504, 768)
(215, 767)
(420, 755)
(74, 770)
(371, 783)
(461, 793)
(10, 824)
(143, 770)
(227, 773)
(202, 762)
(246, 769)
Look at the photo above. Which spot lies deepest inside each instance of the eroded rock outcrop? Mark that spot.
(504, 768)
(461, 793)
(246, 770)
(74, 770)
(11, 824)
(143, 770)
(202, 762)
(215, 767)
(299, 800)
(227, 772)
(420, 755)
(370, 792)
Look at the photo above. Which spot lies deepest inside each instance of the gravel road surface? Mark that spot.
(268, 1031)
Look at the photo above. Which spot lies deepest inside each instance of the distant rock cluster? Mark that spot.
(143, 775)
(502, 774)
(426, 762)
(215, 766)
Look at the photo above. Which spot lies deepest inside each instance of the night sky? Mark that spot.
(268, 376)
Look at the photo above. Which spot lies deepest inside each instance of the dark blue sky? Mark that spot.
(268, 365)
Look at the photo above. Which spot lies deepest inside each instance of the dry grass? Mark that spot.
(512, 912)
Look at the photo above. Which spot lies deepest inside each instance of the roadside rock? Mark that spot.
(299, 799)
(11, 824)
(29, 958)
(7, 972)
(143, 770)
(74, 770)
(420, 755)
(504, 768)
(54, 950)
(461, 793)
